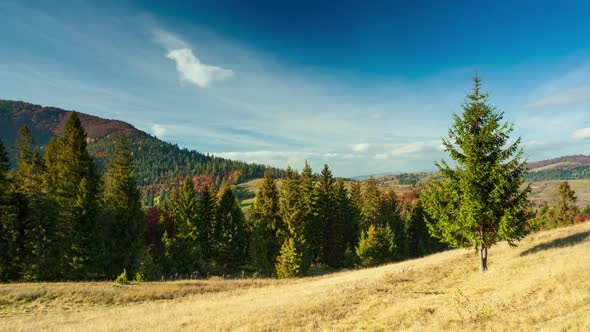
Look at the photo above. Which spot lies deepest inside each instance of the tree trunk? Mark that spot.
(483, 259)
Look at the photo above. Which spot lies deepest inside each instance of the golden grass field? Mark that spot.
(543, 284)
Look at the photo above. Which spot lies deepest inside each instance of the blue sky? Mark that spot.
(367, 87)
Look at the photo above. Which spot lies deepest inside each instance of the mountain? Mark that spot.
(159, 165)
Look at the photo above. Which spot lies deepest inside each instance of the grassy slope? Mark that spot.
(544, 191)
(543, 283)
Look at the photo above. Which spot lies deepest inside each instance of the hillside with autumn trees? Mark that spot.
(159, 165)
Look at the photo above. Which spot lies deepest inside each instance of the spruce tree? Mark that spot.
(342, 226)
(479, 201)
(38, 213)
(289, 261)
(266, 226)
(389, 216)
(10, 265)
(306, 189)
(186, 250)
(230, 234)
(371, 202)
(126, 231)
(324, 209)
(564, 210)
(376, 246)
(74, 183)
(206, 215)
(293, 214)
(356, 200)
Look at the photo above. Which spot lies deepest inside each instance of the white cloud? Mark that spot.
(581, 133)
(189, 66)
(568, 97)
(360, 147)
(191, 69)
(159, 130)
(414, 149)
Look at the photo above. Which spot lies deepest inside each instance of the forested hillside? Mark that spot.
(562, 168)
(159, 165)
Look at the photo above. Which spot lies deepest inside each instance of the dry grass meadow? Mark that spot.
(543, 284)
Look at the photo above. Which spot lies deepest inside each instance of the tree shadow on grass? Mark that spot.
(566, 241)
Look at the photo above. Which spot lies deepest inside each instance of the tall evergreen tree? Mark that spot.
(230, 234)
(389, 216)
(306, 189)
(324, 210)
(10, 265)
(356, 200)
(38, 242)
(266, 226)
(206, 214)
(74, 183)
(340, 233)
(293, 214)
(371, 202)
(185, 242)
(125, 237)
(480, 200)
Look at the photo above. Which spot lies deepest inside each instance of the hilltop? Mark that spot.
(159, 164)
(540, 284)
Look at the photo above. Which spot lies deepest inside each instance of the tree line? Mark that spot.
(63, 219)
(309, 222)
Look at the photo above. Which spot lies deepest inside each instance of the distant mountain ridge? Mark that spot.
(560, 162)
(159, 165)
(561, 168)
(47, 121)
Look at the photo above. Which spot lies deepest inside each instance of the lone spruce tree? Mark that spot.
(479, 201)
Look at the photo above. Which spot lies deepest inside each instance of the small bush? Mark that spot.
(376, 246)
(289, 261)
(122, 278)
(147, 270)
(349, 259)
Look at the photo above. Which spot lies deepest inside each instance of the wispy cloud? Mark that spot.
(583, 133)
(189, 67)
(360, 147)
(563, 98)
(413, 149)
